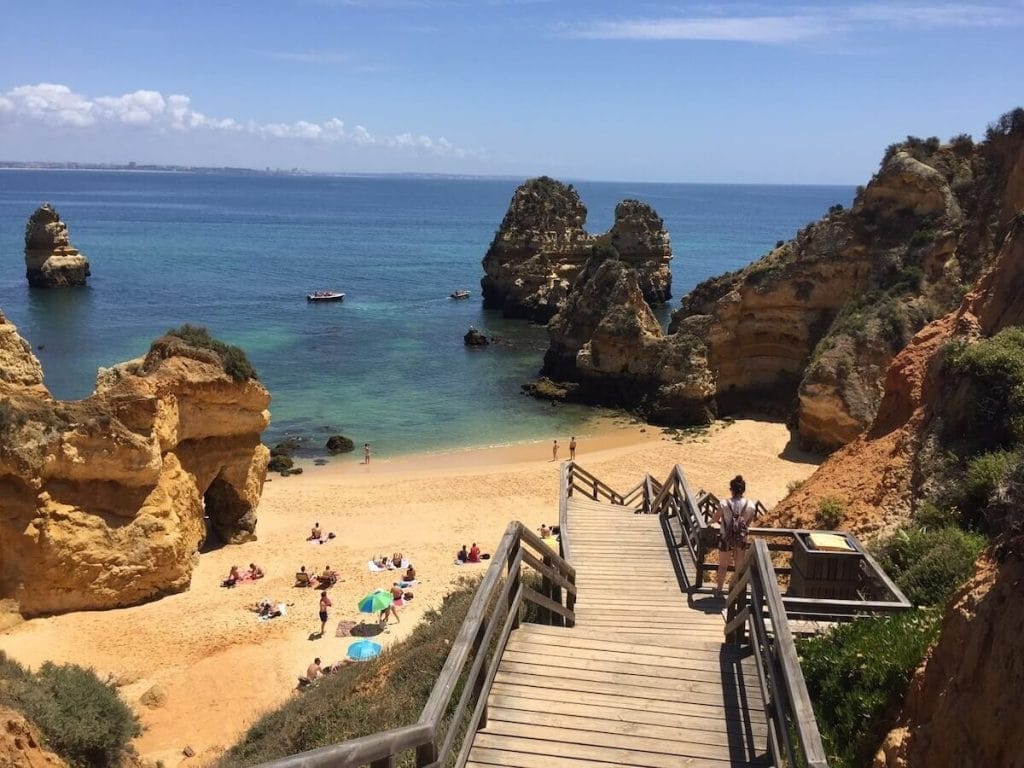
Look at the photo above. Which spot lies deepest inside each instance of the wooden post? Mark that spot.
(595, 489)
(384, 762)
(513, 576)
(570, 602)
(426, 754)
(550, 589)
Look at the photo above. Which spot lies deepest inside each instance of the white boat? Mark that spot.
(459, 295)
(325, 296)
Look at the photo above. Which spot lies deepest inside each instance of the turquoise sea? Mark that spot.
(239, 253)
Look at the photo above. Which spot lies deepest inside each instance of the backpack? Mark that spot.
(740, 526)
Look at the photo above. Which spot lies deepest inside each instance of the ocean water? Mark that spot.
(387, 366)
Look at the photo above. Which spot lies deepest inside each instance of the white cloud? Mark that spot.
(761, 25)
(58, 106)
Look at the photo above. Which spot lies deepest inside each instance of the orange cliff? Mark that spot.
(108, 499)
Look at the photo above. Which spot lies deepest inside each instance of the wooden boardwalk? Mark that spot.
(643, 679)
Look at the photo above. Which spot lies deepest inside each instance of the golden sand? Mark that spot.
(221, 668)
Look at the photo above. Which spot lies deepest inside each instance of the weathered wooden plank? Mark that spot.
(644, 750)
(564, 656)
(712, 723)
(548, 751)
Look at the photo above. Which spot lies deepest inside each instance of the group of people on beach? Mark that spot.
(472, 555)
(235, 576)
(572, 449)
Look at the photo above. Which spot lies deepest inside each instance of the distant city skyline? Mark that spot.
(746, 92)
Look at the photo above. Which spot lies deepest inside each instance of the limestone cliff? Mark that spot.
(814, 324)
(541, 247)
(105, 498)
(609, 344)
(21, 745)
(50, 260)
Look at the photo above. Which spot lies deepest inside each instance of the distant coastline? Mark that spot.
(228, 170)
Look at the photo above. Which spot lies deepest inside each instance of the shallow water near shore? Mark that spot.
(387, 366)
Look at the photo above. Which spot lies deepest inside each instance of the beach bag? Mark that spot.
(740, 526)
(408, 596)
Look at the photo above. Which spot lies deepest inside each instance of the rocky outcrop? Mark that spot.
(50, 260)
(107, 500)
(607, 343)
(474, 338)
(542, 246)
(813, 326)
(882, 472)
(340, 444)
(963, 707)
(21, 745)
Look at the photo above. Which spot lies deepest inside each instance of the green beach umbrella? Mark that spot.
(375, 602)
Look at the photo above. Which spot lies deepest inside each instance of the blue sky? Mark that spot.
(684, 91)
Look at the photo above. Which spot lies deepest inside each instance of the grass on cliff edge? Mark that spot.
(360, 699)
(236, 363)
(82, 718)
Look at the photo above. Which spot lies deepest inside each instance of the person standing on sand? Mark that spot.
(554, 451)
(572, 448)
(734, 516)
(366, 453)
(325, 603)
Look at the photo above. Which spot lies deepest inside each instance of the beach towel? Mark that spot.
(374, 568)
(476, 562)
(406, 584)
(280, 608)
(345, 628)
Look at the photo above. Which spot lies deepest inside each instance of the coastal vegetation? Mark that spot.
(83, 718)
(387, 692)
(856, 676)
(236, 363)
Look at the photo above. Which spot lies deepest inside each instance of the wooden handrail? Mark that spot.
(496, 603)
(787, 703)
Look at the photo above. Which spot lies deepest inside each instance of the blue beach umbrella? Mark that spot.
(375, 602)
(363, 650)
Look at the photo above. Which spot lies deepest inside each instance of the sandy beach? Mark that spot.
(221, 668)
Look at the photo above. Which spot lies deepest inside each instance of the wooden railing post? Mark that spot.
(513, 576)
(426, 754)
(595, 489)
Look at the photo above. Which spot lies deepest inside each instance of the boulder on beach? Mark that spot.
(340, 444)
(50, 259)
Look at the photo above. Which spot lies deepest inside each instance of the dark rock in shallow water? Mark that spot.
(280, 463)
(340, 444)
(474, 338)
(285, 448)
(293, 471)
(546, 389)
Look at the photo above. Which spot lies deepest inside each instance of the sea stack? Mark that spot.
(541, 247)
(50, 259)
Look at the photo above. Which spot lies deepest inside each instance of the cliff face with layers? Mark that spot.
(814, 324)
(50, 260)
(541, 247)
(105, 498)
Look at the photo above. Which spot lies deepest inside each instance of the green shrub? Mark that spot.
(857, 676)
(1007, 125)
(236, 363)
(930, 516)
(992, 414)
(930, 565)
(83, 719)
(984, 475)
(830, 512)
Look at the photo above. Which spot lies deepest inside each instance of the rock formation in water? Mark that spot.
(104, 499)
(50, 260)
(813, 325)
(542, 246)
(611, 348)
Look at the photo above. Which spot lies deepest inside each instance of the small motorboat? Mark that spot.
(325, 296)
(460, 294)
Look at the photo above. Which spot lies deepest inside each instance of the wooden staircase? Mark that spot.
(642, 679)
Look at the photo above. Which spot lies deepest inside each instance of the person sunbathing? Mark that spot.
(233, 577)
(410, 574)
(255, 572)
(329, 577)
(316, 534)
(462, 555)
(474, 554)
(396, 560)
